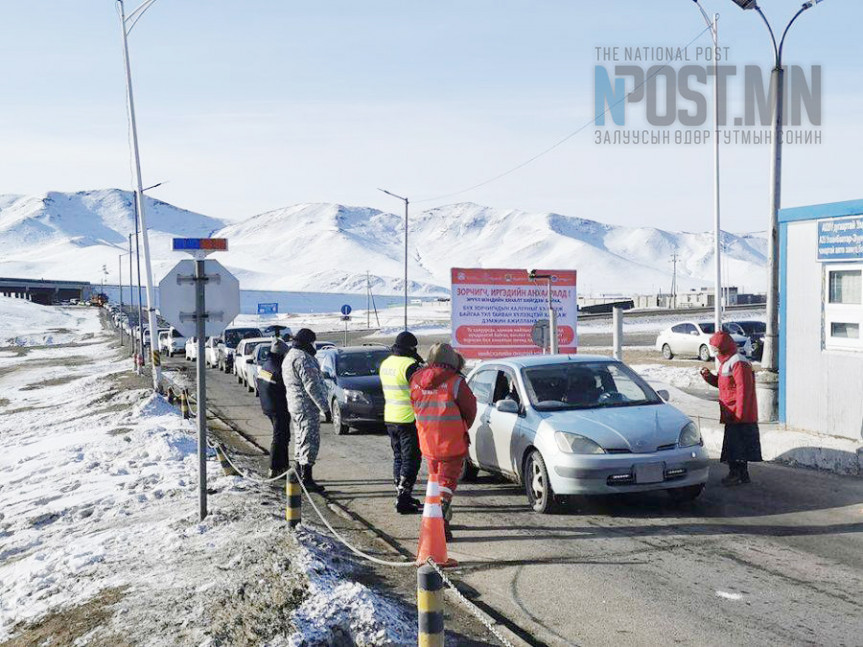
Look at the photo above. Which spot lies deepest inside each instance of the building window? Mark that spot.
(843, 307)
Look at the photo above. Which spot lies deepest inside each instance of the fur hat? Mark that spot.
(446, 355)
(278, 347)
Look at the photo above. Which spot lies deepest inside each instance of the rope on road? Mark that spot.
(470, 605)
(242, 473)
(352, 548)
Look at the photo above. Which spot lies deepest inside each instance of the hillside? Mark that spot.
(330, 247)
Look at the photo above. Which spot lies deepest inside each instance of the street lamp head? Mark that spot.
(746, 4)
(811, 3)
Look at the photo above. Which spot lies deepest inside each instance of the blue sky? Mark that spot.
(249, 106)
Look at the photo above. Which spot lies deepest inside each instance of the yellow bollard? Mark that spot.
(430, 607)
(227, 468)
(295, 499)
(184, 405)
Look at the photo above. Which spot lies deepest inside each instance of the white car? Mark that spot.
(692, 339)
(580, 425)
(211, 352)
(192, 348)
(171, 342)
(244, 358)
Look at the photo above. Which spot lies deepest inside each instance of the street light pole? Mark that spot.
(770, 358)
(126, 25)
(407, 202)
(717, 232)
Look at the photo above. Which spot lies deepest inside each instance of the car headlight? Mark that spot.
(689, 436)
(575, 444)
(356, 396)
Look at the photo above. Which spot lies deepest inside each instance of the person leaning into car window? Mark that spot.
(274, 403)
(395, 372)
(738, 408)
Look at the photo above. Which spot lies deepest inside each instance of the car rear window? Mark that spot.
(360, 364)
(233, 336)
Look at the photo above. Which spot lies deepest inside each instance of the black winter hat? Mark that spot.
(406, 340)
(305, 336)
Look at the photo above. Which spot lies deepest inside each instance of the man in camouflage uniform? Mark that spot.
(307, 398)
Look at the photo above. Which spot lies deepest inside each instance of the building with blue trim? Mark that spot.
(821, 319)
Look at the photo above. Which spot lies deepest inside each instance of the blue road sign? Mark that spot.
(346, 310)
(268, 308)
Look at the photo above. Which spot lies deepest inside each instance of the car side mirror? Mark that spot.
(328, 376)
(693, 332)
(665, 395)
(507, 406)
(250, 360)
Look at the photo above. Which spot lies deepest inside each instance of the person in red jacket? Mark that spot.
(738, 408)
(445, 408)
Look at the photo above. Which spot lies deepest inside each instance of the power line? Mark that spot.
(562, 141)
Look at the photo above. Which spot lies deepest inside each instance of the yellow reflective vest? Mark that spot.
(397, 390)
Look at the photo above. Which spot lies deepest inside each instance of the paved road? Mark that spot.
(779, 562)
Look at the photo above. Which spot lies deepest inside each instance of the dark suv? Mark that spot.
(353, 385)
(230, 338)
(755, 331)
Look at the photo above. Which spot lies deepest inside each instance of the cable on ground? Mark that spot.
(470, 605)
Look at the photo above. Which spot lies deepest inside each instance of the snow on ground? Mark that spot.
(682, 377)
(23, 323)
(98, 506)
(431, 318)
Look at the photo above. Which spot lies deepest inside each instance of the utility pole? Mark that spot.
(368, 301)
(131, 299)
(674, 259)
(120, 282)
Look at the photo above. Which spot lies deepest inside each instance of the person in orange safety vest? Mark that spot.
(445, 408)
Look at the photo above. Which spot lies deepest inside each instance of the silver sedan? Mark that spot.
(580, 425)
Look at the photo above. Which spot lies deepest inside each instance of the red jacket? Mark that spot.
(445, 408)
(736, 382)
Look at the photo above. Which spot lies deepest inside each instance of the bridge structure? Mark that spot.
(45, 292)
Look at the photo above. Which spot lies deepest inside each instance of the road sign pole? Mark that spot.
(346, 331)
(200, 281)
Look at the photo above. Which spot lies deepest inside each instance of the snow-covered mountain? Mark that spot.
(330, 247)
(72, 235)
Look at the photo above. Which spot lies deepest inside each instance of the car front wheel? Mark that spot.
(666, 352)
(338, 427)
(704, 353)
(536, 484)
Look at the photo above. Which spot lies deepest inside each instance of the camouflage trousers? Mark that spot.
(307, 436)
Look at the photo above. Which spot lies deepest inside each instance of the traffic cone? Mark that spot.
(432, 537)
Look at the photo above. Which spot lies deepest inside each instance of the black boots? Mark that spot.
(405, 502)
(305, 474)
(446, 509)
(738, 474)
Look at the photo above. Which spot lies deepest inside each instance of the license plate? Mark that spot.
(650, 473)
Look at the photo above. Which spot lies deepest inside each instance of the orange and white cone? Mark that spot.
(432, 538)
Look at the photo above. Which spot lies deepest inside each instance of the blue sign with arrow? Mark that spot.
(346, 309)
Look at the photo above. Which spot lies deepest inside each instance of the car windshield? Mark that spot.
(360, 364)
(753, 326)
(586, 385)
(234, 335)
(730, 328)
(251, 346)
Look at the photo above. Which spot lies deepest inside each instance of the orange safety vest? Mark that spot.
(441, 429)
